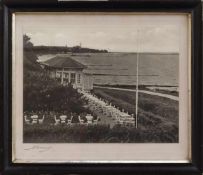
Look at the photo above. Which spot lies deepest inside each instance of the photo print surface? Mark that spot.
(90, 80)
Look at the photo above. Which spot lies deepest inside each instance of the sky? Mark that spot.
(117, 34)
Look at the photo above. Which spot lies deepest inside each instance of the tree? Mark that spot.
(43, 93)
(29, 57)
(40, 92)
(26, 42)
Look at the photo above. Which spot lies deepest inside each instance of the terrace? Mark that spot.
(103, 112)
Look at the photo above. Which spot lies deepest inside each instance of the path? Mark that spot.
(143, 91)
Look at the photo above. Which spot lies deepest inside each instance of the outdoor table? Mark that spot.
(63, 118)
(108, 109)
(101, 103)
(34, 119)
(130, 121)
(89, 118)
(123, 114)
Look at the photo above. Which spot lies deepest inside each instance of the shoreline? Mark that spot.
(164, 89)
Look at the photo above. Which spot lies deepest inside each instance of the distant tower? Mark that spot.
(80, 45)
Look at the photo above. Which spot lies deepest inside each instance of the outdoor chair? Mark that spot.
(130, 122)
(80, 120)
(99, 109)
(114, 115)
(34, 119)
(109, 111)
(103, 108)
(41, 120)
(120, 121)
(70, 120)
(89, 118)
(95, 121)
(27, 121)
(57, 121)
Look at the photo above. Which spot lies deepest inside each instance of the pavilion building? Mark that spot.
(69, 71)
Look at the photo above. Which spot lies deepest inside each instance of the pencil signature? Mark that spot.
(39, 148)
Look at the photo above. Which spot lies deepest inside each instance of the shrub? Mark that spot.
(96, 134)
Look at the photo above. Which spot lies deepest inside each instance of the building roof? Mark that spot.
(63, 62)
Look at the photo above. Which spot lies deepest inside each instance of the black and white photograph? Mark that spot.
(100, 83)
(101, 87)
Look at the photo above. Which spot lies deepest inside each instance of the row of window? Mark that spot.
(66, 76)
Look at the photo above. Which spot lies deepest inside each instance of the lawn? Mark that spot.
(92, 134)
(155, 113)
(157, 123)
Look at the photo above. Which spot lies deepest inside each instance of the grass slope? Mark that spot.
(155, 113)
(157, 123)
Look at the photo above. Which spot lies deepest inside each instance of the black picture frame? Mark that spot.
(10, 6)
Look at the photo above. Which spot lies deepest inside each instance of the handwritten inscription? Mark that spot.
(38, 148)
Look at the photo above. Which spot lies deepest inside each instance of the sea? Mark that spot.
(154, 69)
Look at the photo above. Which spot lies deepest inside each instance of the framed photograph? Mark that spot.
(101, 87)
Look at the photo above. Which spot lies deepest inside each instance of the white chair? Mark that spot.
(114, 116)
(57, 121)
(80, 120)
(95, 122)
(89, 118)
(27, 121)
(34, 119)
(130, 121)
(121, 121)
(70, 120)
(112, 113)
(41, 120)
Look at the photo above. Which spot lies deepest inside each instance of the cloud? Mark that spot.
(154, 38)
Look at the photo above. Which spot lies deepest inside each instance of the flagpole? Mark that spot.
(137, 81)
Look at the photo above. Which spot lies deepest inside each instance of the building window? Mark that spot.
(72, 77)
(66, 75)
(58, 74)
(79, 77)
